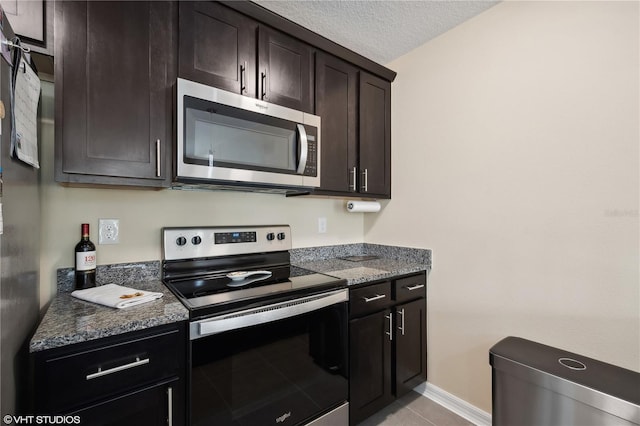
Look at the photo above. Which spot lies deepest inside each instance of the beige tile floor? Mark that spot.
(414, 409)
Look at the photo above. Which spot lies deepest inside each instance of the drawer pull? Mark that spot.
(376, 297)
(138, 362)
(414, 287)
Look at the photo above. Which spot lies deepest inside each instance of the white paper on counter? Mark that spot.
(116, 296)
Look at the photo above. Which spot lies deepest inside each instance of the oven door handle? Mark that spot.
(265, 314)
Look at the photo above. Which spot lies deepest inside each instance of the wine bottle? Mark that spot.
(85, 261)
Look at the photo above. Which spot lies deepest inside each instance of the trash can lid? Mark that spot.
(515, 352)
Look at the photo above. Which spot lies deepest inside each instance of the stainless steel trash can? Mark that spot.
(535, 384)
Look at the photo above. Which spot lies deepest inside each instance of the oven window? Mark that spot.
(284, 372)
(223, 136)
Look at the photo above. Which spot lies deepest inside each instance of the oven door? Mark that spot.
(283, 364)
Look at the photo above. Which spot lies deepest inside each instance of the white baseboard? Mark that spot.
(455, 404)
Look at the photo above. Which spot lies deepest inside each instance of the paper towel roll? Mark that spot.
(363, 206)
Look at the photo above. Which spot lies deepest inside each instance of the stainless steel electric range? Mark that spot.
(268, 341)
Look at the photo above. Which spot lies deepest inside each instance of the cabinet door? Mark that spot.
(370, 365)
(375, 136)
(336, 103)
(285, 68)
(155, 405)
(217, 47)
(411, 346)
(115, 66)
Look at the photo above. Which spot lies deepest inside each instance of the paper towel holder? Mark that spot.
(354, 206)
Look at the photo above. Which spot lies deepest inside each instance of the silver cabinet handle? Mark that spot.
(414, 287)
(138, 362)
(376, 297)
(157, 157)
(401, 313)
(353, 186)
(304, 149)
(365, 180)
(170, 406)
(390, 332)
(263, 78)
(243, 78)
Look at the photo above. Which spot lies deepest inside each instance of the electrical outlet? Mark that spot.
(322, 225)
(108, 231)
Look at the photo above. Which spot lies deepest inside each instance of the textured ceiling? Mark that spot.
(381, 30)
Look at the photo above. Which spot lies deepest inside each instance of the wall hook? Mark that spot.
(17, 45)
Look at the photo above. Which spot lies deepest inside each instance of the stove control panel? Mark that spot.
(199, 242)
(235, 237)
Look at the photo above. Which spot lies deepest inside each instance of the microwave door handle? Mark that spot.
(304, 150)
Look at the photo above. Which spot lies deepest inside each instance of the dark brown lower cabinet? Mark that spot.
(152, 405)
(136, 378)
(370, 365)
(387, 343)
(411, 338)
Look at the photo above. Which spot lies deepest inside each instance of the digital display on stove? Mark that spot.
(234, 237)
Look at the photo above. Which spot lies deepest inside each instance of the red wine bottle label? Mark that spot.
(85, 260)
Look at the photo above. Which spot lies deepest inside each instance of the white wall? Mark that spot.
(515, 158)
(143, 213)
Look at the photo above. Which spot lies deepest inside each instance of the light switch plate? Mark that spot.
(322, 225)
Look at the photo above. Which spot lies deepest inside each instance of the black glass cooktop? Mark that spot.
(216, 293)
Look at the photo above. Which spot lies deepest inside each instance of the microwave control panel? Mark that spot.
(311, 168)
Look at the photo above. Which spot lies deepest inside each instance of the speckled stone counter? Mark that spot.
(390, 261)
(69, 320)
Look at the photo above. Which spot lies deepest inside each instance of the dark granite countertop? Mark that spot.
(364, 271)
(388, 261)
(69, 320)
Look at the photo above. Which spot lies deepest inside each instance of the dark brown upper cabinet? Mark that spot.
(337, 105)
(228, 50)
(355, 108)
(286, 70)
(375, 136)
(115, 68)
(218, 47)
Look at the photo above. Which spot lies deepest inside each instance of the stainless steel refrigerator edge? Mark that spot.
(20, 260)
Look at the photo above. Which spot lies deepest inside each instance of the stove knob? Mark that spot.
(181, 241)
(281, 236)
(196, 240)
(270, 236)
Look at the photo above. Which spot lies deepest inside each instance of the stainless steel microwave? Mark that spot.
(237, 142)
